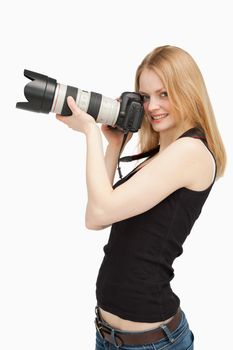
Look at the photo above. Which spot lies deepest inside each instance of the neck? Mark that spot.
(166, 137)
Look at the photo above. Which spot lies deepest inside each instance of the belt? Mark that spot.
(119, 338)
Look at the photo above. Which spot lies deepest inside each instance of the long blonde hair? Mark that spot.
(188, 97)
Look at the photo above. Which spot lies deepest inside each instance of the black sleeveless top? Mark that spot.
(134, 278)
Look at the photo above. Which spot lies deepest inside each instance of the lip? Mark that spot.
(158, 115)
(156, 121)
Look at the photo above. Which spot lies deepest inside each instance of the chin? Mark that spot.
(161, 127)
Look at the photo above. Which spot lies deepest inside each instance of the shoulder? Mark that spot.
(189, 161)
(186, 145)
(183, 151)
(186, 150)
(194, 159)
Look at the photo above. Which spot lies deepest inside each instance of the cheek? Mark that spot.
(167, 106)
(145, 106)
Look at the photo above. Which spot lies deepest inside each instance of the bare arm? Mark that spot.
(99, 175)
(111, 158)
(114, 138)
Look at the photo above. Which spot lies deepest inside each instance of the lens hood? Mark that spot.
(39, 92)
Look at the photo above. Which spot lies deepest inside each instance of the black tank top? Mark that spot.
(134, 278)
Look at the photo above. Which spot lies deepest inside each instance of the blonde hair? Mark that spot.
(188, 97)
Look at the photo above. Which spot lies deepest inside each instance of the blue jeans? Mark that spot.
(180, 339)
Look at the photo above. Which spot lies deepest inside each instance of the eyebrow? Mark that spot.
(157, 91)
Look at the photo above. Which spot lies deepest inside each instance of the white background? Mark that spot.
(48, 259)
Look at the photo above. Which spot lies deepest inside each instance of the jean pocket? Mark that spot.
(184, 341)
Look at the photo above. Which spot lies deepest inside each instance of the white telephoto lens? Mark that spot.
(59, 98)
(109, 111)
(83, 99)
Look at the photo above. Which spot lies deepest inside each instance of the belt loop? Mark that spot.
(167, 332)
(115, 337)
(97, 312)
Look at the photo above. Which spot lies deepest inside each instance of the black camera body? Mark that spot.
(45, 95)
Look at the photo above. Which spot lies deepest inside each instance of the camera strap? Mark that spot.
(121, 149)
(133, 157)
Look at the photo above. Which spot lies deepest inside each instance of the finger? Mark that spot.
(72, 105)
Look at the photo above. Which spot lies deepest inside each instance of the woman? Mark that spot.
(151, 210)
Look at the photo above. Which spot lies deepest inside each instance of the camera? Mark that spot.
(45, 95)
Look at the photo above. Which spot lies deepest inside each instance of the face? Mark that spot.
(156, 101)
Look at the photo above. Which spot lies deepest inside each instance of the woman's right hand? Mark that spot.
(114, 136)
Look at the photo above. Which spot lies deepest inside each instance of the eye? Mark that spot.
(145, 98)
(164, 94)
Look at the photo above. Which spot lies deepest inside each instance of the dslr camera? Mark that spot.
(45, 95)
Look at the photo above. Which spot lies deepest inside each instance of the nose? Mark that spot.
(153, 104)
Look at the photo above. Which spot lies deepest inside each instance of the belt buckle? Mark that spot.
(113, 337)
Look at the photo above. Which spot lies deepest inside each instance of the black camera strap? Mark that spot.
(121, 149)
(133, 157)
(149, 153)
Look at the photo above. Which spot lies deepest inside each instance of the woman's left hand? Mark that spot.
(79, 120)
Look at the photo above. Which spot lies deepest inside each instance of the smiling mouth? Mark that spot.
(159, 116)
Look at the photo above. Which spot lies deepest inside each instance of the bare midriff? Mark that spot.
(125, 325)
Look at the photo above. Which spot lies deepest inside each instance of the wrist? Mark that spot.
(114, 146)
(91, 127)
